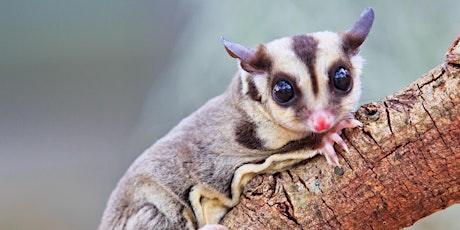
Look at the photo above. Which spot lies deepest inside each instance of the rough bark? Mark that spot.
(403, 165)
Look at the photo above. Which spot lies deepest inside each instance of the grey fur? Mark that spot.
(202, 149)
(194, 174)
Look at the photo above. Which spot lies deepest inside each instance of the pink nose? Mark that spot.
(322, 124)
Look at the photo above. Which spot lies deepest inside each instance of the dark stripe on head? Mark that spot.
(253, 92)
(246, 135)
(306, 47)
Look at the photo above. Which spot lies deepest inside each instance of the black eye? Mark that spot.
(283, 92)
(342, 80)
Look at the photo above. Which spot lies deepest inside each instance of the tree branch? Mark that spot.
(403, 165)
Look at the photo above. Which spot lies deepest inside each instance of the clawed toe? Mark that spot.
(333, 137)
(330, 155)
(337, 139)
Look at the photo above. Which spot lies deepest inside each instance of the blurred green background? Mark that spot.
(86, 86)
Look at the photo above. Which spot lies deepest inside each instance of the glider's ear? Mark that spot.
(250, 60)
(356, 35)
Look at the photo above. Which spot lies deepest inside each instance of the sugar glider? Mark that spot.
(288, 102)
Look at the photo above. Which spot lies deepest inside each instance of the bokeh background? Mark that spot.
(86, 86)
